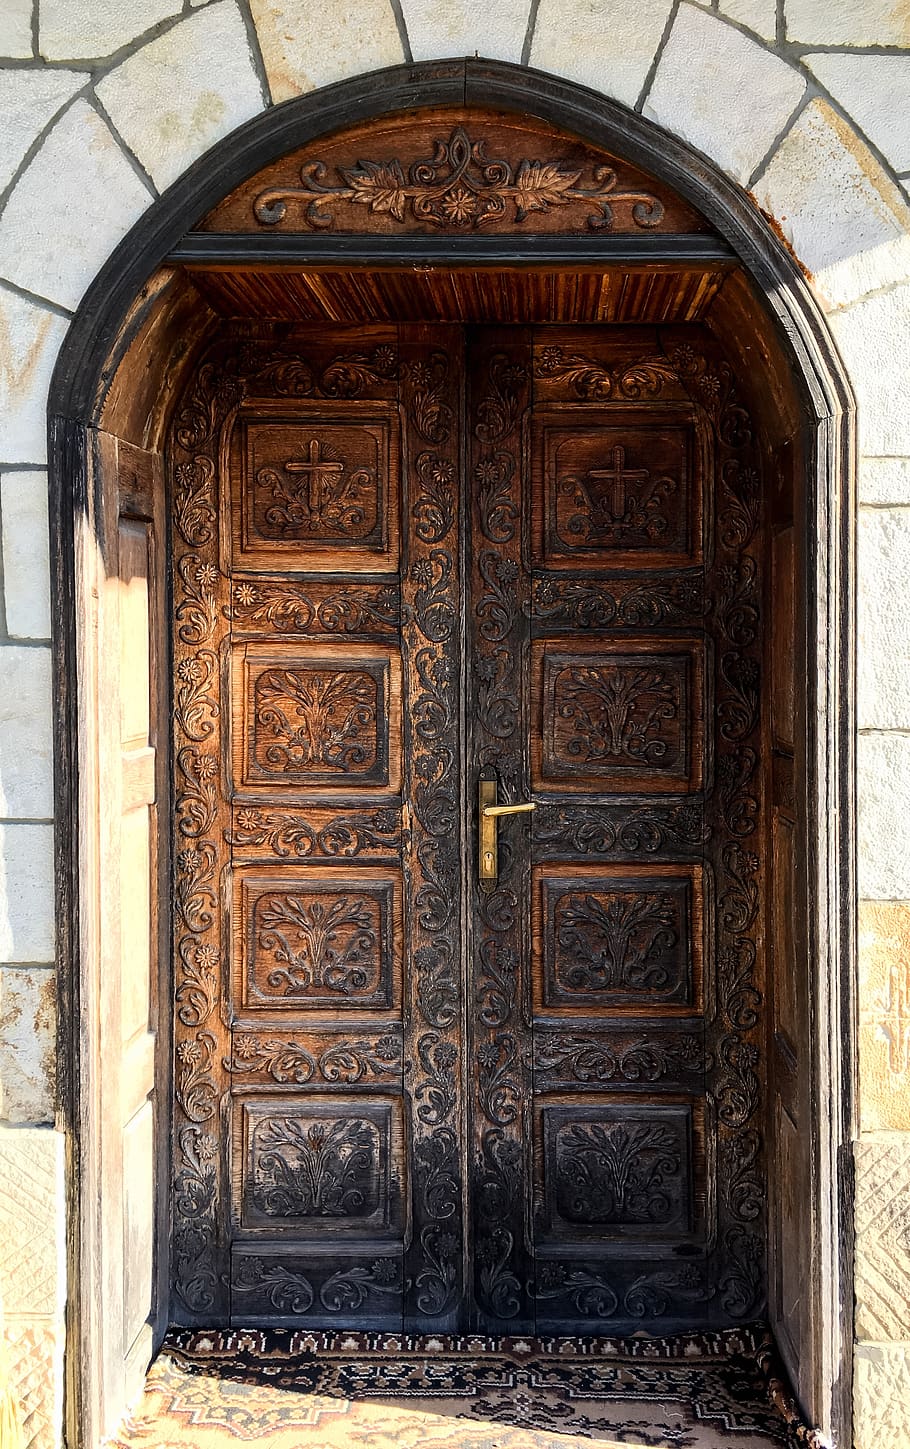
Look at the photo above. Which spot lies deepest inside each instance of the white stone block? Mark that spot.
(722, 92)
(847, 22)
(26, 893)
(30, 338)
(874, 341)
(16, 29)
(883, 809)
(758, 15)
(454, 27)
(70, 207)
(32, 1240)
(28, 101)
(26, 565)
(845, 219)
(83, 29)
(883, 639)
(881, 1395)
(26, 750)
(306, 43)
(28, 1023)
(170, 103)
(608, 45)
(875, 91)
(884, 480)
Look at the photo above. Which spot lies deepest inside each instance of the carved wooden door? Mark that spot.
(405, 560)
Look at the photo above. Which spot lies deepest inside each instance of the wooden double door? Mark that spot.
(414, 566)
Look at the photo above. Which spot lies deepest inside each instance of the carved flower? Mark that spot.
(385, 361)
(207, 957)
(186, 474)
(385, 1271)
(245, 1049)
(191, 671)
(446, 1246)
(386, 822)
(205, 767)
(508, 571)
(442, 472)
(422, 572)
(245, 594)
(446, 1055)
(747, 483)
(387, 1049)
(206, 1147)
(710, 385)
(550, 1277)
(684, 359)
(459, 205)
(316, 1136)
(189, 861)
(206, 575)
(487, 472)
(550, 358)
(488, 1055)
(189, 1053)
(249, 819)
(419, 374)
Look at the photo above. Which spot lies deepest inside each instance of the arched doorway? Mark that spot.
(584, 1097)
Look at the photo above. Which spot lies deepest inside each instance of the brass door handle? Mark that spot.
(488, 832)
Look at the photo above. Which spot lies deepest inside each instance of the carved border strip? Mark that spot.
(431, 646)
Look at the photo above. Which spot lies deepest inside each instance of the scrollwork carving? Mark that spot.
(457, 188)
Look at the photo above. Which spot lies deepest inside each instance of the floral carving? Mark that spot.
(295, 609)
(309, 1167)
(315, 719)
(290, 1061)
(590, 1060)
(595, 382)
(581, 604)
(617, 711)
(194, 500)
(615, 942)
(616, 1173)
(594, 830)
(434, 511)
(349, 1288)
(345, 836)
(330, 944)
(287, 1292)
(458, 187)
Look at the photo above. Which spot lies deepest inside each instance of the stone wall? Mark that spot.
(806, 103)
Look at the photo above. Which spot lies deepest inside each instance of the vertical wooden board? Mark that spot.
(432, 372)
(498, 1003)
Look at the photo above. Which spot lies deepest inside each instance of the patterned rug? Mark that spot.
(297, 1390)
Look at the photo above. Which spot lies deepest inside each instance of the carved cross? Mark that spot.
(317, 472)
(616, 479)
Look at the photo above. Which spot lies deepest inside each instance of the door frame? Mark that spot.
(101, 331)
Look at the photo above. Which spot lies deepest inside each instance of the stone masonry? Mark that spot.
(805, 103)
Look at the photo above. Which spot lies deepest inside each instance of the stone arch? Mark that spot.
(133, 303)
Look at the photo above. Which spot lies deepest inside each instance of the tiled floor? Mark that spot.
(296, 1390)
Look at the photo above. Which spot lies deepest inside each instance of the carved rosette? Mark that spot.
(430, 380)
(498, 1019)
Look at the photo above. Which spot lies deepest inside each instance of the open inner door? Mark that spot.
(408, 559)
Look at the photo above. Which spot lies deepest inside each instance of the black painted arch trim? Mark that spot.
(586, 253)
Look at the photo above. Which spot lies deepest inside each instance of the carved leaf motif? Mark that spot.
(615, 942)
(380, 186)
(314, 1168)
(349, 1288)
(617, 711)
(288, 1292)
(315, 719)
(616, 1173)
(328, 944)
(458, 187)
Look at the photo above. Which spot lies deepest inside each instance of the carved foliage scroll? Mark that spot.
(431, 379)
